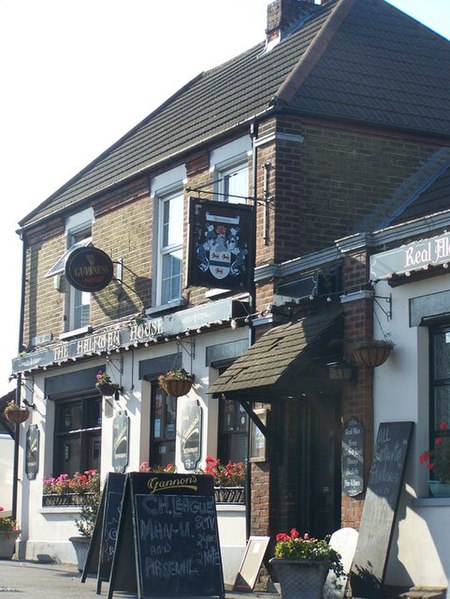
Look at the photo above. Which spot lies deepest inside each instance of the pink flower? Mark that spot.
(443, 426)
(2, 509)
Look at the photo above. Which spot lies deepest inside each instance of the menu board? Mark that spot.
(380, 509)
(170, 522)
(353, 458)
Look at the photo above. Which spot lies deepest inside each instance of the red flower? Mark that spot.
(443, 426)
(294, 533)
(424, 457)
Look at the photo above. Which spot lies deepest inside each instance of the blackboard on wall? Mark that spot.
(169, 523)
(380, 508)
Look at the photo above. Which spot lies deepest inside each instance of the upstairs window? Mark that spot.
(78, 303)
(170, 255)
(233, 184)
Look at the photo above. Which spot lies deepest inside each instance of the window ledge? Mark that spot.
(67, 509)
(76, 333)
(430, 502)
(166, 307)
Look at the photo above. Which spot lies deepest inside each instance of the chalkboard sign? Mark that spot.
(380, 507)
(103, 542)
(353, 458)
(168, 542)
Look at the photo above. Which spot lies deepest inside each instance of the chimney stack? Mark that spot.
(284, 15)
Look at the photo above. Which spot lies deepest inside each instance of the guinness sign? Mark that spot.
(89, 269)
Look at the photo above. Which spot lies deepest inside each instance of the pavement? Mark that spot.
(34, 580)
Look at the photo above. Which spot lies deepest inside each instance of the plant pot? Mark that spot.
(438, 489)
(300, 579)
(371, 355)
(16, 415)
(81, 546)
(177, 387)
(8, 543)
(108, 389)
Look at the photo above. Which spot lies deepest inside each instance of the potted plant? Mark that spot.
(229, 480)
(438, 462)
(9, 531)
(15, 414)
(301, 565)
(176, 382)
(372, 352)
(105, 385)
(82, 490)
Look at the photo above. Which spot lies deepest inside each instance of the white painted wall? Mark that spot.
(6, 471)
(45, 531)
(420, 553)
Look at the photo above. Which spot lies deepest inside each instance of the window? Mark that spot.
(78, 429)
(170, 249)
(233, 184)
(440, 383)
(78, 303)
(163, 427)
(233, 429)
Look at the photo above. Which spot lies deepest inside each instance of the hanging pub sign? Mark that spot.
(221, 245)
(89, 269)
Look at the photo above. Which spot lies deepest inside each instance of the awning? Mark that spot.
(275, 365)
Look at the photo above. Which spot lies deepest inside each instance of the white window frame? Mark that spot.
(74, 297)
(224, 176)
(226, 160)
(164, 250)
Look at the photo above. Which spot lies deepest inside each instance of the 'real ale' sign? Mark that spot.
(413, 257)
(221, 244)
(89, 269)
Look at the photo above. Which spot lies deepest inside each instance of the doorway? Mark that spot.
(319, 469)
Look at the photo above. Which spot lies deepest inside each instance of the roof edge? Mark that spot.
(310, 58)
(88, 167)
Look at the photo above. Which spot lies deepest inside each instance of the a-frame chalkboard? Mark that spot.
(168, 541)
(102, 546)
(380, 508)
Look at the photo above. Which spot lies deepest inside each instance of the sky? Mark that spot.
(76, 75)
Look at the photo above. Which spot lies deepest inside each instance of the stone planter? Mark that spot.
(81, 546)
(229, 495)
(8, 543)
(300, 579)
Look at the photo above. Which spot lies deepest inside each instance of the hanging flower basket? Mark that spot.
(105, 385)
(372, 353)
(176, 382)
(15, 414)
(108, 389)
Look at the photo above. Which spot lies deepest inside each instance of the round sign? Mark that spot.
(89, 269)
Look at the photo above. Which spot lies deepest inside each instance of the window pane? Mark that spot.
(234, 182)
(442, 355)
(171, 276)
(441, 406)
(173, 222)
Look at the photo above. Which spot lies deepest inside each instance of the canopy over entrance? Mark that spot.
(283, 361)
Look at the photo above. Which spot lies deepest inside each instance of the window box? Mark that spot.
(229, 495)
(64, 499)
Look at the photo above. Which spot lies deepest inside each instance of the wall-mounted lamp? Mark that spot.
(341, 371)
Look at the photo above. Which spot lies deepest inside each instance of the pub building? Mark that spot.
(207, 250)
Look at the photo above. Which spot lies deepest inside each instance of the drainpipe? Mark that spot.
(254, 137)
(18, 386)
